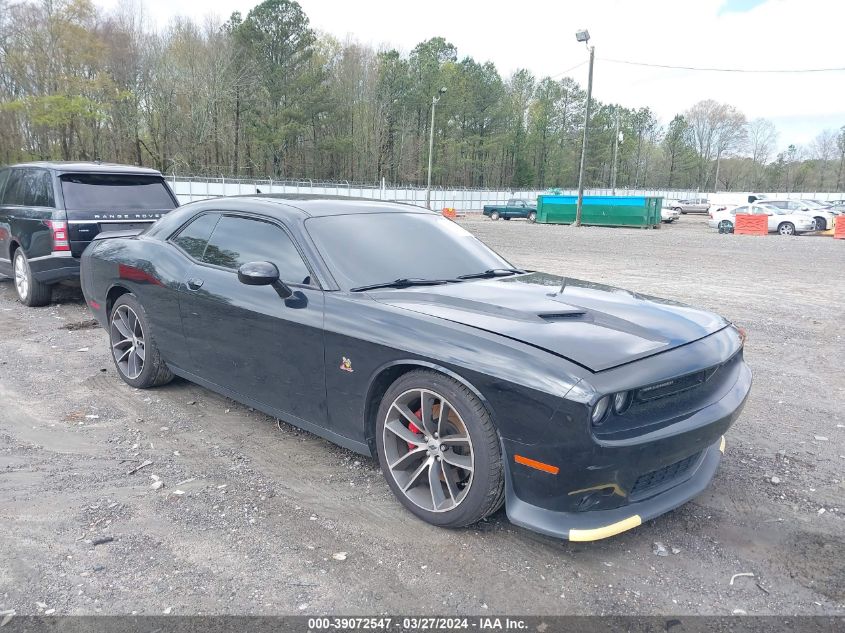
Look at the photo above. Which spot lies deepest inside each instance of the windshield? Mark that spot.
(115, 192)
(812, 204)
(370, 248)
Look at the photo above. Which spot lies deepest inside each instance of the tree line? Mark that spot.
(265, 95)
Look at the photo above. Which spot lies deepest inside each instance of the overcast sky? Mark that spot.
(539, 35)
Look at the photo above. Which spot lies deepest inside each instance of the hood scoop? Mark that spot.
(561, 316)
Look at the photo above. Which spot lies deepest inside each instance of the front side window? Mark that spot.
(369, 248)
(193, 238)
(237, 241)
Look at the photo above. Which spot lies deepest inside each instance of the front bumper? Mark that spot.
(598, 524)
(605, 486)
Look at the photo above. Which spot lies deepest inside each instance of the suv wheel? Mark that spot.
(31, 292)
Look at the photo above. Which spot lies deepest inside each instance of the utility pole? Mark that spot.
(584, 36)
(615, 155)
(434, 101)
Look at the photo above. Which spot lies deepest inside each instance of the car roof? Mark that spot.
(84, 167)
(316, 205)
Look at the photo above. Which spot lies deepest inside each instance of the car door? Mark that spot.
(247, 339)
(772, 221)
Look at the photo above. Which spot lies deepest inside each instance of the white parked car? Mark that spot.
(780, 221)
(669, 215)
(811, 208)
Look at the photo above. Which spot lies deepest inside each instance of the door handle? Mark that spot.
(195, 284)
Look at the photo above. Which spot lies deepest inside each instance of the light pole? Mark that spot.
(434, 101)
(584, 36)
(617, 139)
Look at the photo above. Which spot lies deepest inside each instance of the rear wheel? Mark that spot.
(134, 350)
(31, 292)
(439, 451)
(532, 216)
(726, 226)
(786, 228)
(495, 215)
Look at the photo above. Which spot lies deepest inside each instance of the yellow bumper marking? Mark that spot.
(608, 530)
(616, 489)
(722, 445)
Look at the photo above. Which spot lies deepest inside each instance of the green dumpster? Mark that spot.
(601, 210)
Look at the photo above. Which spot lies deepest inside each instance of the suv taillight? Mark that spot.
(60, 237)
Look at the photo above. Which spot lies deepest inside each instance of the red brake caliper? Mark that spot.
(413, 428)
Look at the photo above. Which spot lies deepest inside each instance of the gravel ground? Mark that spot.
(259, 518)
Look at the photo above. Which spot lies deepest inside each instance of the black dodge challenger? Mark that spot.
(392, 331)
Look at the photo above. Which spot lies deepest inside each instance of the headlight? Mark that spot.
(600, 409)
(621, 401)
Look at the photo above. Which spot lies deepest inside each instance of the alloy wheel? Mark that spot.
(428, 449)
(786, 229)
(21, 277)
(128, 346)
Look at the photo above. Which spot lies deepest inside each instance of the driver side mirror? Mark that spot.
(263, 274)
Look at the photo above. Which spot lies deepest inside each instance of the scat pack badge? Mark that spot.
(346, 365)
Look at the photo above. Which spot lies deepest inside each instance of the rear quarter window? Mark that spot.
(194, 238)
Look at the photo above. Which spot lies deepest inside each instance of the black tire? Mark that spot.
(532, 216)
(154, 372)
(31, 292)
(494, 215)
(726, 226)
(821, 224)
(679, 210)
(786, 228)
(506, 217)
(486, 492)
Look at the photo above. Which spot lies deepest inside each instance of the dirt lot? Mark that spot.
(253, 518)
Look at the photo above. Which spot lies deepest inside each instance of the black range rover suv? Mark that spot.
(50, 211)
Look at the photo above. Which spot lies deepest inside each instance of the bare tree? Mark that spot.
(823, 150)
(762, 139)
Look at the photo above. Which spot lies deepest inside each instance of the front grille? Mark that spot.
(676, 385)
(661, 476)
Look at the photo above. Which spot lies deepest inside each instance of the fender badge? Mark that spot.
(346, 365)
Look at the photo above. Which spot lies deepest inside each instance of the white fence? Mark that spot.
(190, 189)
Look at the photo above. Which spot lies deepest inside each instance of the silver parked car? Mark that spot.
(693, 205)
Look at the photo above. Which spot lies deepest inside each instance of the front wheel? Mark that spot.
(726, 226)
(31, 292)
(134, 350)
(532, 216)
(820, 224)
(494, 215)
(787, 228)
(439, 451)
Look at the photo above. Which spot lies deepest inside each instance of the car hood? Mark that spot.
(598, 327)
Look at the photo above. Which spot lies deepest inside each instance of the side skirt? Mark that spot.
(335, 438)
